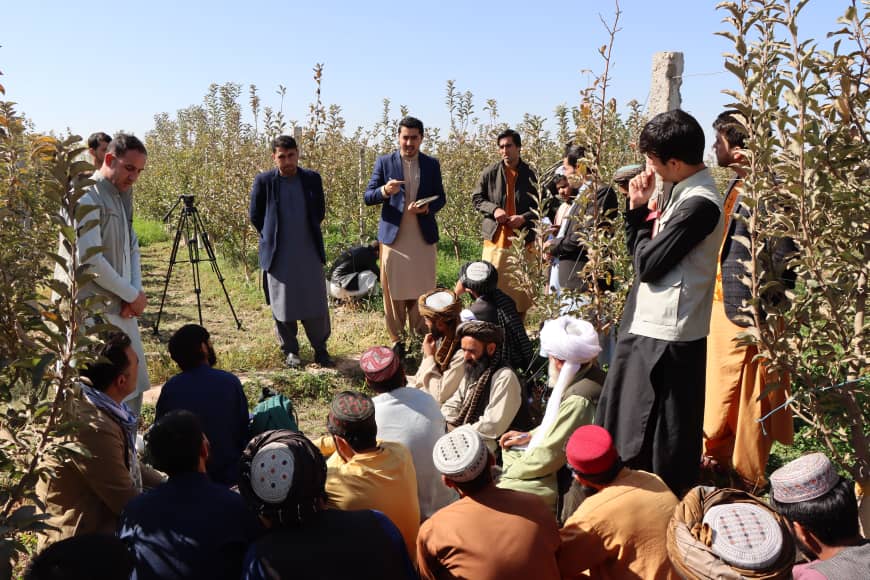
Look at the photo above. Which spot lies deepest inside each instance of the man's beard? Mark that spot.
(474, 370)
(436, 333)
(212, 357)
(552, 374)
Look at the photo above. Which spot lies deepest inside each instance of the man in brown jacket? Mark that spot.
(86, 494)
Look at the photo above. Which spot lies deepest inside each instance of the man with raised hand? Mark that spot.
(443, 362)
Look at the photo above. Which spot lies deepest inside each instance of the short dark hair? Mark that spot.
(512, 134)
(174, 442)
(832, 518)
(96, 138)
(112, 363)
(93, 556)
(573, 153)
(391, 384)
(483, 480)
(284, 142)
(123, 142)
(411, 123)
(185, 346)
(729, 123)
(673, 135)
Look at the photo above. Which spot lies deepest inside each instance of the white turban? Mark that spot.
(575, 342)
(570, 339)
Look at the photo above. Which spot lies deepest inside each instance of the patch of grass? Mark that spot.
(150, 231)
(447, 266)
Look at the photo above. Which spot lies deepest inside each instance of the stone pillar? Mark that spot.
(667, 76)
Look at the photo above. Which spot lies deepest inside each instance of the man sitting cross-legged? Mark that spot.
(283, 481)
(491, 532)
(619, 532)
(410, 417)
(532, 460)
(489, 394)
(189, 527)
(364, 473)
(213, 395)
(443, 362)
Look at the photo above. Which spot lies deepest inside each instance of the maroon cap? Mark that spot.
(379, 363)
(590, 450)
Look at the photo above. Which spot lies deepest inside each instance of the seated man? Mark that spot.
(443, 363)
(489, 394)
(531, 460)
(213, 395)
(490, 532)
(823, 511)
(283, 478)
(355, 272)
(189, 527)
(410, 417)
(619, 532)
(480, 279)
(87, 493)
(364, 473)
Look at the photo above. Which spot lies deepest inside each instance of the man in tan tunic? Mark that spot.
(443, 363)
(407, 185)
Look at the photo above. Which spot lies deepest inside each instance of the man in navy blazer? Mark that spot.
(287, 208)
(407, 230)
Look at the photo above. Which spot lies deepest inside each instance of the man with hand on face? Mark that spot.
(443, 362)
(109, 225)
(407, 184)
(653, 398)
(506, 195)
(287, 208)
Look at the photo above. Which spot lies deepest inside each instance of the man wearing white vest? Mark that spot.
(653, 398)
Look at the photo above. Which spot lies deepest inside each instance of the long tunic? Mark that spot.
(440, 385)
(297, 286)
(408, 264)
(620, 531)
(496, 534)
(505, 397)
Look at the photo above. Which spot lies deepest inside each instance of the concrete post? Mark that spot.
(667, 76)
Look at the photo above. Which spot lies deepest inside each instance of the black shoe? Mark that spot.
(324, 360)
(399, 348)
(292, 361)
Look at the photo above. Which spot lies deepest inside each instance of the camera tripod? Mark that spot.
(191, 226)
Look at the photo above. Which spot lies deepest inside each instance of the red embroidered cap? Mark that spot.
(379, 363)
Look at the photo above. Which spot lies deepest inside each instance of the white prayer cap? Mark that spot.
(272, 472)
(570, 339)
(460, 455)
(745, 535)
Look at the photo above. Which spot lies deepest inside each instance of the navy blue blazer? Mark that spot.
(264, 211)
(389, 167)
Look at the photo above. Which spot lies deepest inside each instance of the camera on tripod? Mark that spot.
(191, 227)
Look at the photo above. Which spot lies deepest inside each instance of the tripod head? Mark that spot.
(188, 205)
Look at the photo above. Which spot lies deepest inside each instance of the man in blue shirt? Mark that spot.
(214, 396)
(188, 527)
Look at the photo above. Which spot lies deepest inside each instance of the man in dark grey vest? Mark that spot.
(287, 208)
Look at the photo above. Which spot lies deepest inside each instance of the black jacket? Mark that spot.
(489, 195)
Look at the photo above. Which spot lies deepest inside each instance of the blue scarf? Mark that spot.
(120, 412)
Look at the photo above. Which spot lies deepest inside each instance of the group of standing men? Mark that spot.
(653, 401)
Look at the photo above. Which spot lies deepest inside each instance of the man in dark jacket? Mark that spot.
(287, 208)
(507, 196)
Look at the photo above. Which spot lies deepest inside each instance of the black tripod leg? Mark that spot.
(193, 252)
(172, 256)
(209, 250)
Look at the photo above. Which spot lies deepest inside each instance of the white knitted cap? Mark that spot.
(460, 455)
(744, 535)
(805, 478)
(440, 300)
(272, 472)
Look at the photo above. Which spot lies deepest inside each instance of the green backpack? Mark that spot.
(274, 411)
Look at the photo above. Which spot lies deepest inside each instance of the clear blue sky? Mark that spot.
(91, 66)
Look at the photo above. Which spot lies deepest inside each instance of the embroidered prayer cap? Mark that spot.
(480, 277)
(590, 450)
(744, 535)
(350, 411)
(627, 172)
(460, 455)
(805, 478)
(272, 472)
(440, 303)
(570, 339)
(482, 331)
(379, 364)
